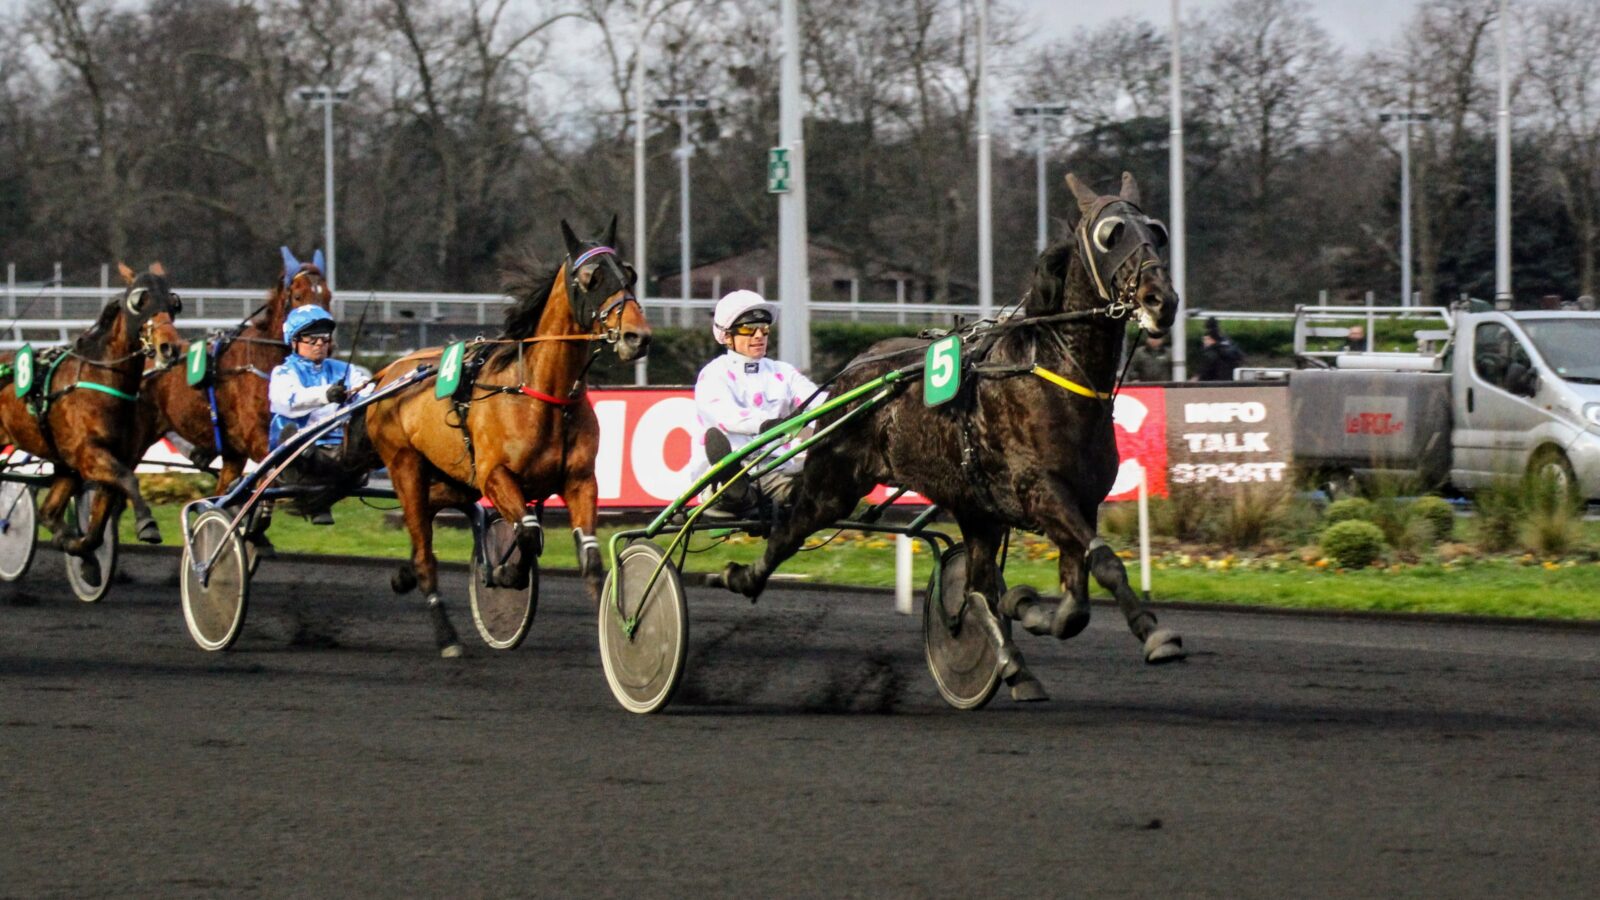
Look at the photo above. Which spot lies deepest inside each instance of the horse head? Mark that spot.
(304, 283)
(600, 293)
(1121, 250)
(145, 314)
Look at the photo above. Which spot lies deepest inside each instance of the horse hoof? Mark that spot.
(264, 548)
(1028, 690)
(403, 581)
(1012, 600)
(90, 568)
(737, 578)
(1071, 618)
(1163, 646)
(509, 575)
(453, 651)
(149, 532)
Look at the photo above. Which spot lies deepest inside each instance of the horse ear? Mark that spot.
(1085, 197)
(127, 274)
(1130, 188)
(317, 260)
(574, 246)
(157, 269)
(290, 264)
(611, 233)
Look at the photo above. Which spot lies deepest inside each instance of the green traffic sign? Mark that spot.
(778, 170)
(449, 370)
(941, 375)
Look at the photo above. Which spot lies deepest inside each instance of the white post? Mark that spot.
(684, 152)
(1180, 346)
(1405, 216)
(794, 288)
(11, 289)
(900, 300)
(640, 257)
(1144, 532)
(902, 574)
(1502, 159)
(985, 216)
(855, 299)
(1038, 163)
(327, 184)
(60, 291)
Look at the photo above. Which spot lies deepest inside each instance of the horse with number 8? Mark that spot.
(80, 411)
(520, 427)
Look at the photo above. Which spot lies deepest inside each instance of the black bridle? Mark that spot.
(591, 306)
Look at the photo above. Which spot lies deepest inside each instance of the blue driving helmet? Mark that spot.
(303, 317)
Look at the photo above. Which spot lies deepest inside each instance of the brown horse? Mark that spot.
(520, 427)
(80, 413)
(241, 364)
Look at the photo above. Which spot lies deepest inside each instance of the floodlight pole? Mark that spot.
(794, 287)
(1176, 258)
(1502, 158)
(1040, 117)
(985, 214)
(327, 98)
(683, 106)
(1405, 116)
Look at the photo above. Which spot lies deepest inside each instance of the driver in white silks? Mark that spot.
(742, 393)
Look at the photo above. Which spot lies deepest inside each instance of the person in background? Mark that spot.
(1218, 357)
(742, 393)
(1355, 340)
(1151, 361)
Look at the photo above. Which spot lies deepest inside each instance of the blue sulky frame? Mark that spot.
(248, 492)
(753, 461)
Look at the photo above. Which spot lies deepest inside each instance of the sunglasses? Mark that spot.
(315, 340)
(751, 330)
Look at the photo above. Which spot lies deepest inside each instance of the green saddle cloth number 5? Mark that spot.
(24, 376)
(941, 376)
(450, 370)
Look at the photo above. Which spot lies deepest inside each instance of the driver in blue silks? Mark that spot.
(307, 389)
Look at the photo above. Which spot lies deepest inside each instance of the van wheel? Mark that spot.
(1550, 466)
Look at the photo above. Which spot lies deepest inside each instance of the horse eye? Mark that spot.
(1106, 231)
(631, 274)
(586, 275)
(137, 299)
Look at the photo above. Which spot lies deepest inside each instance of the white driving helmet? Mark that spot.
(734, 307)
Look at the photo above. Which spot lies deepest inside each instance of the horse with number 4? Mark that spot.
(74, 407)
(509, 421)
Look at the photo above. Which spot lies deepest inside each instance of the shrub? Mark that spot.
(1250, 515)
(1499, 515)
(1353, 544)
(1347, 510)
(1439, 514)
(175, 487)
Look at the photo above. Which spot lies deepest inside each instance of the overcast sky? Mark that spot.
(1357, 24)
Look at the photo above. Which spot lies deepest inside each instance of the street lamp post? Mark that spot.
(1176, 255)
(1502, 169)
(985, 217)
(1041, 117)
(1406, 116)
(683, 106)
(327, 98)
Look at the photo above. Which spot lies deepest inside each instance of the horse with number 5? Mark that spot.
(76, 407)
(518, 427)
(1026, 442)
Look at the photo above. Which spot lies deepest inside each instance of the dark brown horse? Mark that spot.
(1013, 449)
(521, 427)
(241, 364)
(81, 412)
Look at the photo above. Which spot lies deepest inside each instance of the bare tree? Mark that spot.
(1563, 73)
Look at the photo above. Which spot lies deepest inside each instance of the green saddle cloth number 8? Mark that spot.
(24, 377)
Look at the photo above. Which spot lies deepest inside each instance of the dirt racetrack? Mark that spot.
(331, 753)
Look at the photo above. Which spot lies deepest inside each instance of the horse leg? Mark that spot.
(982, 538)
(582, 498)
(411, 486)
(107, 470)
(1071, 529)
(51, 511)
(506, 494)
(816, 505)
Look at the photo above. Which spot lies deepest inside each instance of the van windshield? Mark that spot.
(1568, 345)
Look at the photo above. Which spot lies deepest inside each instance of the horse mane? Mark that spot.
(94, 339)
(529, 283)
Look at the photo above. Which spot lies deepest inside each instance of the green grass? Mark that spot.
(1501, 586)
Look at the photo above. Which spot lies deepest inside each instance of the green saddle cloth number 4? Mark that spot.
(198, 366)
(450, 370)
(24, 372)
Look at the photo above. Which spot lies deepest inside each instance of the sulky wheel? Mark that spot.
(89, 585)
(502, 614)
(214, 611)
(19, 529)
(961, 655)
(643, 637)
